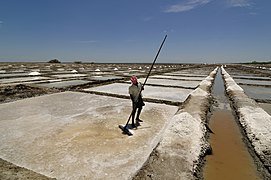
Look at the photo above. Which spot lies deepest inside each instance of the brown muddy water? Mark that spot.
(230, 159)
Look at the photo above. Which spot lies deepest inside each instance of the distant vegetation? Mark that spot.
(78, 62)
(259, 62)
(54, 61)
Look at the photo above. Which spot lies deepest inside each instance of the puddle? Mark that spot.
(230, 158)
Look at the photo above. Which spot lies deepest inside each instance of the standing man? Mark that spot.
(137, 101)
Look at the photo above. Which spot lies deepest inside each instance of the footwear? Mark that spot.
(139, 120)
(134, 125)
(137, 124)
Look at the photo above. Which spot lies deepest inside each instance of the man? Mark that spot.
(136, 97)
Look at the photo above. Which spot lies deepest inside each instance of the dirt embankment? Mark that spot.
(20, 91)
(10, 171)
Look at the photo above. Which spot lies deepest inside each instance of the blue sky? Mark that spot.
(130, 31)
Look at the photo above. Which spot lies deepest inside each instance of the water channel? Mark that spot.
(230, 157)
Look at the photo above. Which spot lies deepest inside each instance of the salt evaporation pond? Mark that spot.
(257, 92)
(169, 82)
(153, 92)
(64, 84)
(266, 107)
(69, 75)
(252, 77)
(105, 78)
(14, 75)
(187, 75)
(179, 77)
(253, 82)
(23, 79)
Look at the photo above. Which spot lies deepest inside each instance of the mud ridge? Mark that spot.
(10, 171)
(13, 93)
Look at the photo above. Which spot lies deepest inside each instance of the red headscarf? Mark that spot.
(134, 79)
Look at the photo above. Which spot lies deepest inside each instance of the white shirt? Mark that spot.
(134, 90)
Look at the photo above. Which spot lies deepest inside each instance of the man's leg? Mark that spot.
(138, 114)
(133, 116)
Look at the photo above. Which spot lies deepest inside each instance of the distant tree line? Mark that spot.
(258, 62)
(54, 61)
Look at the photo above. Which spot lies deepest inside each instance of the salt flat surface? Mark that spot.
(22, 79)
(179, 77)
(74, 135)
(63, 84)
(253, 82)
(169, 82)
(153, 92)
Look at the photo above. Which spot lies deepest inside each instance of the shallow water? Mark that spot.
(253, 82)
(251, 77)
(266, 107)
(230, 158)
(257, 92)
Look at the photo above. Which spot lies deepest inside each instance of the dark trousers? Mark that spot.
(138, 109)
